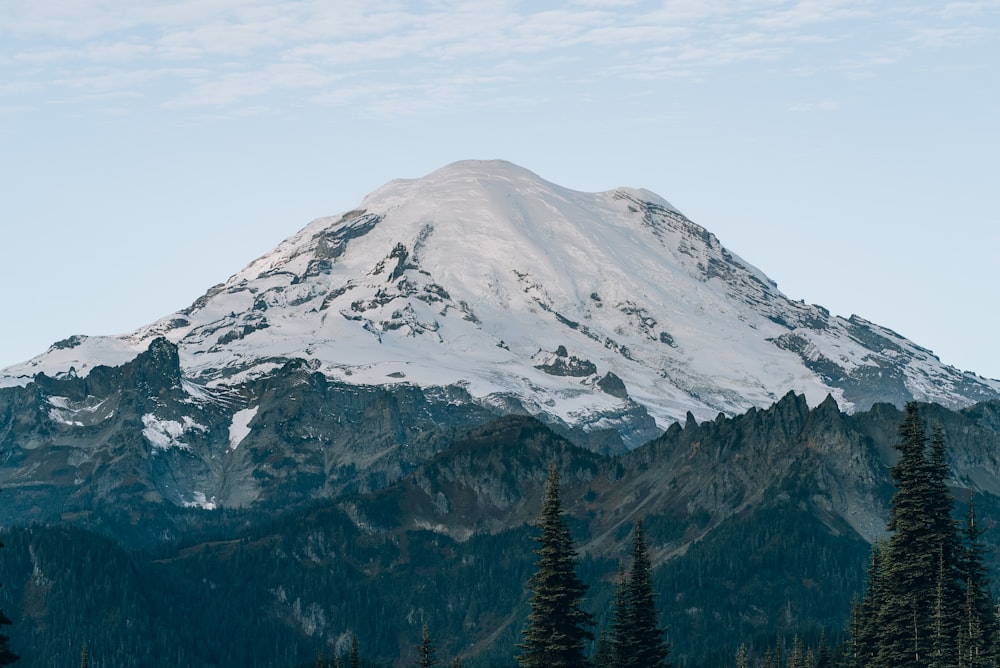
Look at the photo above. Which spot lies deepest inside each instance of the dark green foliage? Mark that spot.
(7, 657)
(557, 624)
(797, 657)
(977, 624)
(824, 658)
(621, 638)
(603, 655)
(777, 570)
(864, 630)
(742, 657)
(354, 659)
(637, 640)
(426, 652)
(213, 601)
(918, 573)
(927, 600)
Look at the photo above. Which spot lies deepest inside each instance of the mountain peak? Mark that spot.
(483, 275)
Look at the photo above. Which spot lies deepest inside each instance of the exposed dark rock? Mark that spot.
(613, 385)
(568, 365)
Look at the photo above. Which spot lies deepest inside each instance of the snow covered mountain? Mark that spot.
(594, 311)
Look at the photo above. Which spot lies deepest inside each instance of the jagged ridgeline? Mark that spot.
(758, 527)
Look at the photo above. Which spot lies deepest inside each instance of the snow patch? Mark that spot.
(239, 428)
(84, 413)
(165, 434)
(201, 501)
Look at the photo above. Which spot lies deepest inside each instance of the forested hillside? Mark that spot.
(754, 527)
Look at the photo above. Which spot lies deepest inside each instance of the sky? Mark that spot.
(847, 148)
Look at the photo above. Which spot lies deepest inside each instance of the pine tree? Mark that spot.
(863, 641)
(603, 655)
(648, 648)
(7, 657)
(947, 552)
(911, 612)
(742, 657)
(977, 630)
(353, 661)
(852, 647)
(920, 527)
(996, 636)
(942, 641)
(824, 658)
(426, 654)
(622, 639)
(797, 659)
(557, 624)
(636, 637)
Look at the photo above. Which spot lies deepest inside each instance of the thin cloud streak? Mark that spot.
(245, 51)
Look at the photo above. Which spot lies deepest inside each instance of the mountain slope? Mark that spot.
(590, 310)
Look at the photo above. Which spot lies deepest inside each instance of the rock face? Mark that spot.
(139, 436)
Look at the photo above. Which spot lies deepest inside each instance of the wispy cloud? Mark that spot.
(225, 52)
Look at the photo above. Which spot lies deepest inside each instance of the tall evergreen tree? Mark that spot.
(948, 552)
(943, 638)
(911, 612)
(824, 658)
(7, 657)
(649, 649)
(353, 660)
(603, 656)
(852, 646)
(637, 639)
(622, 639)
(427, 653)
(797, 659)
(863, 632)
(557, 624)
(921, 528)
(742, 657)
(977, 629)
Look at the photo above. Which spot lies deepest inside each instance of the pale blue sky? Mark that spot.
(846, 148)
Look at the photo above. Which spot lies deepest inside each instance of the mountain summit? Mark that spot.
(593, 311)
